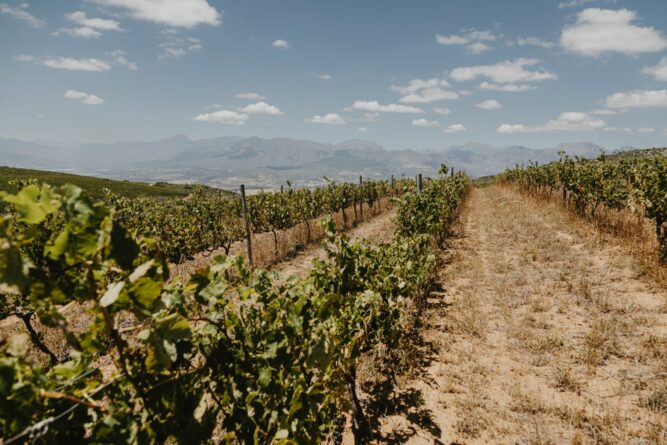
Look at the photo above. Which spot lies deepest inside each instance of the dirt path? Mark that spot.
(546, 333)
(379, 229)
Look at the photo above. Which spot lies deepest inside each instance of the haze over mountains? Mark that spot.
(228, 161)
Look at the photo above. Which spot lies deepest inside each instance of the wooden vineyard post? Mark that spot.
(452, 173)
(246, 221)
(361, 199)
(420, 185)
(281, 188)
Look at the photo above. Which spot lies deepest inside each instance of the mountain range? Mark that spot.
(226, 162)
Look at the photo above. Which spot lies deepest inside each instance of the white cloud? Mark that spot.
(362, 129)
(659, 71)
(443, 110)
(419, 91)
(280, 43)
(646, 130)
(70, 63)
(638, 99)
(20, 12)
(598, 31)
(465, 92)
(568, 121)
(84, 98)
(83, 32)
(574, 3)
(177, 13)
(478, 48)
(507, 88)
(473, 40)
(534, 41)
(227, 117)
(375, 107)
(24, 58)
(506, 72)
(325, 76)
(429, 95)
(603, 112)
(455, 128)
(174, 46)
(261, 108)
(425, 123)
(250, 96)
(490, 104)
(81, 19)
(119, 58)
(89, 28)
(415, 85)
(327, 119)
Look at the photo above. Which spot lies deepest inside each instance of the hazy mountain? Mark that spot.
(258, 162)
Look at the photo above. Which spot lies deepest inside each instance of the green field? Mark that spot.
(93, 185)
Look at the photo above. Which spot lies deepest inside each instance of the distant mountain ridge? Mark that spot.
(228, 161)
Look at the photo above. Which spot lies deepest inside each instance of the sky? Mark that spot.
(422, 74)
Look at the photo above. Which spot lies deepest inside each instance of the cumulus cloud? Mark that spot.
(261, 108)
(362, 129)
(174, 46)
(425, 123)
(659, 71)
(638, 99)
(280, 43)
(603, 112)
(599, 31)
(250, 96)
(325, 76)
(490, 104)
(89, 28)
(84, 98)
(507, 88)
(176, 13)
(534, 41)
(442, 110)
(327, 119)
(568, 121)
(119, 57)
(375, 107)
(506, 72)
(473, 40)
(72, 64)
(455, 128)
(420, 91)
(227, 117)
(20, 12)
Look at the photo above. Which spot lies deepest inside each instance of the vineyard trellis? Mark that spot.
(639, 185)
(232, 352)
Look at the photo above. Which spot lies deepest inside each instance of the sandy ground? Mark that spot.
(546, 332)
(378, 230)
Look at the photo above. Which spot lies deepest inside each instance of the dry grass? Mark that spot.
(550, 331)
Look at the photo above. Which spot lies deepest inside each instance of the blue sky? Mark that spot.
(420, 74)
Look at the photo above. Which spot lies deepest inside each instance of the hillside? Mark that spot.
(93, 185)
(226, 162)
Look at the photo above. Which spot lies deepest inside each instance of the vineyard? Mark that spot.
(586, 185)
(528, 309)
(232, 353)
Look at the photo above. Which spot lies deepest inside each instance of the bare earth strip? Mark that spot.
(378, 230)
(546, 333)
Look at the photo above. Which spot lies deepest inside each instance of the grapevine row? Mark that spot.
(638, 185)
(233, 353)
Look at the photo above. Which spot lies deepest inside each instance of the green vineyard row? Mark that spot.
(234, 353)
(635, 184)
